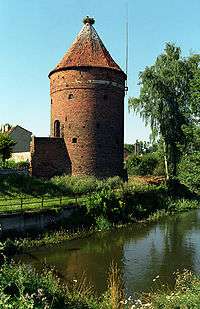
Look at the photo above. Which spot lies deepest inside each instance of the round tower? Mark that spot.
(87, 92)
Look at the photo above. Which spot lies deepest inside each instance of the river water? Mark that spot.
(142, 252)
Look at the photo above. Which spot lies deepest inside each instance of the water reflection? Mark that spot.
(142, 252)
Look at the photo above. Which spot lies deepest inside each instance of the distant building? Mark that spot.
(22, 137)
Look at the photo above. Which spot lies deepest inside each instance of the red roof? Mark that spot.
(87, 50)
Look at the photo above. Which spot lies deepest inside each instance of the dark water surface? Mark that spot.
(142, 251)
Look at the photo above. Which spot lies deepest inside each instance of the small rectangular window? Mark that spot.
(70, 96)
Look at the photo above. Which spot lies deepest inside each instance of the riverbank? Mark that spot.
(143, 204)
(55, 237)
(110, 204)
(22, 287)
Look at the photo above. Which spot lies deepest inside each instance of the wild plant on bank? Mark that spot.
(115, 293)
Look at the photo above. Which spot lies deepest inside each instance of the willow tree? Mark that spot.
(164, 101)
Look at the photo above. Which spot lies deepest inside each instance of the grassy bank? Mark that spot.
(186, 294)
(25, 193)
(109, 204)
(51, 238)
(22, 287)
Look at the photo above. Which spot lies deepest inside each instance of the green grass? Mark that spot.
(22, 287)
(186, 294)
(37, 203)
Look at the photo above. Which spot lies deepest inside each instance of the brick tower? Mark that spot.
(87, 92)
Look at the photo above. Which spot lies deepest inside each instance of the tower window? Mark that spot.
(105, 97)
(56, 128)
(70, 96)
(74, 140)
(98, 125)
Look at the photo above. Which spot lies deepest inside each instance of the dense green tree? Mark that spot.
(165, 101)
(6, 144)
(189, 170)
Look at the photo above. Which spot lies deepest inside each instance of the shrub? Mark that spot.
(21, 287)
(79, 185)
(146, 164)
(14, 165)
(189, 171)
(184, 295)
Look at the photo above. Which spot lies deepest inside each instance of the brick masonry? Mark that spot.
(87, 113)
(89, 104)
(49, 157)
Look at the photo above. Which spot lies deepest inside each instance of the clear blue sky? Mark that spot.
(35, 34)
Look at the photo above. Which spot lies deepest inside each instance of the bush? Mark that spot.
(125, 205)
(21, 287)
(146, 164)
(189, 171)
(14, 165)
(75, 184)
(184, 295)
(79, 185)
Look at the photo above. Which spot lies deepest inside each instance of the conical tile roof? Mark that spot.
(87, 50)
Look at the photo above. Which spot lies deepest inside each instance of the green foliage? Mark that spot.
(126, 205)
(14, 165)
(192, 133)
(195, 93)
(184, 295)
(181, 205)
(6, 144)
(129, 148)
(147, 164)
(164, 100)
(22, 185)
(21, 287)
(189, 171)
(102, 224)
(103, 203)
(79, 185)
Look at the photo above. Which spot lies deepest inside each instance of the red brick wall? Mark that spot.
(94, 116)
(49, 157)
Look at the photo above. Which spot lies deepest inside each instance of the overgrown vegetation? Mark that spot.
(147, 164)
(22, 185)
(22, 287)
(14, 165)
(189, 171)
(186, 294)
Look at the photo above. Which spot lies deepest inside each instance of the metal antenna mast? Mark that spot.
(126, 82)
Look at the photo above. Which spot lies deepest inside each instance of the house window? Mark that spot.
(105, 97)
(56, 128)
(70, 96)
(74, 140)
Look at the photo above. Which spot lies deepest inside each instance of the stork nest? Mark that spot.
(88, 20)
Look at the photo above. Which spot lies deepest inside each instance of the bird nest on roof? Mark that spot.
(88, 20)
